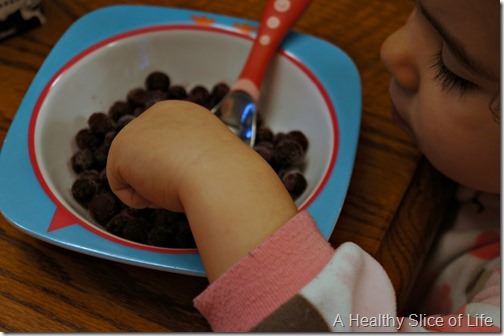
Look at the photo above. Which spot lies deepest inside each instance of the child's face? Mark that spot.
(445, 66)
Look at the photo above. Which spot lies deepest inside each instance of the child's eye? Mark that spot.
(448, 79)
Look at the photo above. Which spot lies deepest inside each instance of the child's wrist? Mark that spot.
(233, 203)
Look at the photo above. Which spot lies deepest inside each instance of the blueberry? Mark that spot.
(299, 137)
(177, 92)
(103, 207)
(82, 160)
(138, 110)
(103, 181)
(162, 235)
(123, 121)
(135, 230)
(294, 181)
(265, 149)
(100, 155)
(85, 138)
(287, 153)
(119, 109)
(117, 223)
(154, 97)
(137, 97)
(278, 137)
(264, 134)
(108, 138)
(90, 174)
(184, 237)
(84, 189)
(199, 95)
(100, 123)
(157, 80)
(218, 92)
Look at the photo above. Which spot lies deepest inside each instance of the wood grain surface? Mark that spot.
(391, 209)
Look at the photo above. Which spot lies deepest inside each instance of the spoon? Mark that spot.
(238, 109)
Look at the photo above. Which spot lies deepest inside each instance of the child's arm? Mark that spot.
(275, 271)
(179, 156)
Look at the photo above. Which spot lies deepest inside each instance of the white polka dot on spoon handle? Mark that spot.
(277, 19)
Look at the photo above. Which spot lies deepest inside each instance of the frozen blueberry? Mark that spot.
(90, 174)
(184, 237)
(82, 160)
(108, 138)
(137, 97)
(199, 95)
(163, 235)
(100, 123)
(124, 218)
(87, 139)
(294, 181)
(138, 110)
(154, 97)
(157, 80)
(103, 181)
(287, 153)
(123, 121)
(299, 137)
(84, 189)
(265, 149)
(219, 91)
(103, 207)
(264, 134)
(135, 230)
(278, 137)
(117, 223)
(177, 92)
(100, 155)
(119, 109)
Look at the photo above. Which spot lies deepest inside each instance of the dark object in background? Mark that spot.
(17, 16)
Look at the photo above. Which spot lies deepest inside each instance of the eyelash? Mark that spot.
(448, 79)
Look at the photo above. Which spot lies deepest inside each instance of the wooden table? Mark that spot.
(391, 209)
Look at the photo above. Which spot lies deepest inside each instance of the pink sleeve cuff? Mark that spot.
(267, 277)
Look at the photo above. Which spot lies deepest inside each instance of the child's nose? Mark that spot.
(398, 55)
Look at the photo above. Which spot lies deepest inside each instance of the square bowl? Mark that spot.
(311, 85)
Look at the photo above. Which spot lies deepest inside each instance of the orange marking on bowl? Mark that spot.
(203, 20)
(244, 28)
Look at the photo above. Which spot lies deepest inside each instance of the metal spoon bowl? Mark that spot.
(238, 109)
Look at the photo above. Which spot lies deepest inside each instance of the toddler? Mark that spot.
(270, 269)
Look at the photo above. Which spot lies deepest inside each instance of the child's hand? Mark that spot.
(150, 158)
(179, 156)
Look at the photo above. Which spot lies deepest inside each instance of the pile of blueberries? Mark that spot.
(285, 152)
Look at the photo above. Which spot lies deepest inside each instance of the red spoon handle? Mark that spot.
(278, 17)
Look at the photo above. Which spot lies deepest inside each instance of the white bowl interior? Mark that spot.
(290, 100)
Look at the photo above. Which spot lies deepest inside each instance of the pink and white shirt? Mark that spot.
(295, 281)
